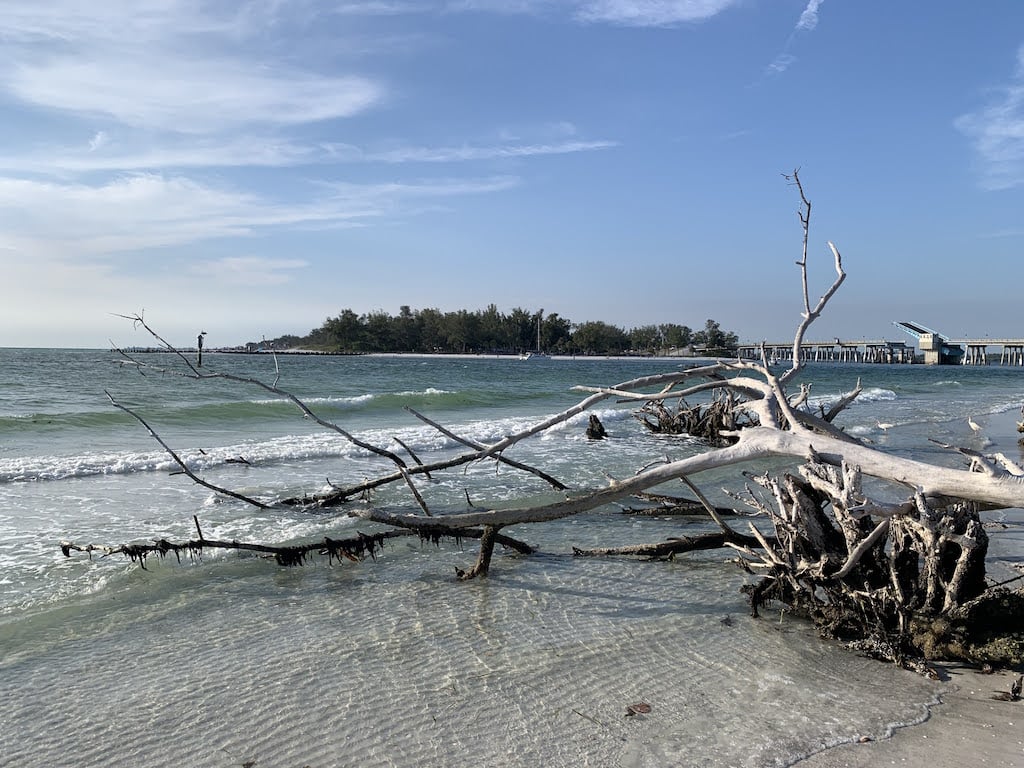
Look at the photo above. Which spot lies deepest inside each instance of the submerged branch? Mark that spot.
(353, 548)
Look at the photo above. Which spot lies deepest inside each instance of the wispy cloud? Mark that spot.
(781, 63)
(652, 13)
(996, 133)
(152, 211)
(378, 8)
(634, 13)
(172, 65)
(467, 152)
(207, 96)
(389, 194)
(807, 22)
(249, 270)
(125, 214)
(105, 153)
(809, 18)
(97, 141)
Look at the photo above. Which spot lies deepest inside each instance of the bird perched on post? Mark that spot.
(199, 349)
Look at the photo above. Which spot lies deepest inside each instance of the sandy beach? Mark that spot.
(969, 727)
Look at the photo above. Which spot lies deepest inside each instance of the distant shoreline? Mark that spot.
(412, 355)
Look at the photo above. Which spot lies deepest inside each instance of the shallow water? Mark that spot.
(392, 662)
(398, 665)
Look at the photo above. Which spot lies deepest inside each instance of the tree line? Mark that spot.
(490, 331)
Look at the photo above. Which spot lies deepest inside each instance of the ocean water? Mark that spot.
(232, 660)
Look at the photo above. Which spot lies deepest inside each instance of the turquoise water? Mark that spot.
(393, 662)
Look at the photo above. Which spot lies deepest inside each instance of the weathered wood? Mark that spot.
(716, 422)
(666, 505)
(672, 547)
(595, 429)
(353, 548)
(483, 561)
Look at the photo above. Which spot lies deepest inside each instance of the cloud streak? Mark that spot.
(996, 133)
(807, 22)
(145, 211)
(169, 65)
(629, 13)
(203, 97)
(467, 153)
(249, 271)
(809, 18)
(651, 13)
(103, 153)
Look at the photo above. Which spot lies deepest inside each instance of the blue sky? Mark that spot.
(252, 168)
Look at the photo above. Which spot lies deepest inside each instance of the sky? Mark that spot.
(253, 168)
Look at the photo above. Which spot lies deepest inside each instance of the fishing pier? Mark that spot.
(935, 349)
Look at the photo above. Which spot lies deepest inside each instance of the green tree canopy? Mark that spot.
(490, 331)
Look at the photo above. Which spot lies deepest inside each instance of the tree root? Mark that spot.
(712, 422)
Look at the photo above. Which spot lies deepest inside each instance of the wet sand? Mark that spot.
(969, 727)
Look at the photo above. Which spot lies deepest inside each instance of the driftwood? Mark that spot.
(716, 422)
(676, 545)
(353, 548)
(595, 429)
(898, 579)
(666, 505)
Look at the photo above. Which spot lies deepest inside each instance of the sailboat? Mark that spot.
(536, 354)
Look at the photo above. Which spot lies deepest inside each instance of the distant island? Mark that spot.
(489, 331)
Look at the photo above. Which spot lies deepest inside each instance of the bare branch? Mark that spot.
(415, 492)
(479, 447)
(352, 549)
(178, 460)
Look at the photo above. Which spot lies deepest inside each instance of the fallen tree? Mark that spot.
(898, 579)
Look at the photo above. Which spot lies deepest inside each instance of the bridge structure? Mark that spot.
(935, 349)
(939, 349)
(837, 350)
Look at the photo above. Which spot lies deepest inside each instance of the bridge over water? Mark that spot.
(838, 350)
(935, 349)
(939, 349)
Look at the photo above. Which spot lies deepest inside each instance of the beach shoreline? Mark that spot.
(967, 727)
